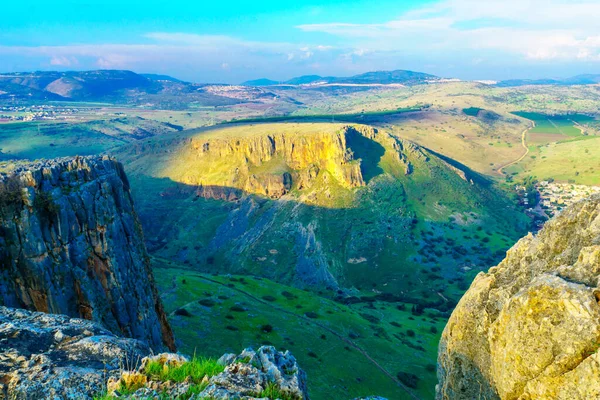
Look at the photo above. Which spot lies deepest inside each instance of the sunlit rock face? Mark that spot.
(530, 327)
(71, 243)
(268, 164)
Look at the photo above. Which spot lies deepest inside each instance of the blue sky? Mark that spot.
(231, 41)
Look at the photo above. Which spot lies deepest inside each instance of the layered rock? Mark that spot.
(46, 356)
(270, 164)
(71, 243)
(530, 327)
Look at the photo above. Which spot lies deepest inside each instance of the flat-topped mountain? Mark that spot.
(306, 203)
(529, 328)
(71, 243)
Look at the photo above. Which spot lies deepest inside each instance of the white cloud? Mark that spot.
(533, 29)
(63, 61)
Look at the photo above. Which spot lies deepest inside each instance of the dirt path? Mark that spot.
(312, 321)
(524, 144)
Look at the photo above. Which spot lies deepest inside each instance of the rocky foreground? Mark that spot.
(45, 356)
(530, 327)
(71, 243)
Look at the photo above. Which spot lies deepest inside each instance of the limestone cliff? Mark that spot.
(530, 327)
(270, 164)
(71, 243)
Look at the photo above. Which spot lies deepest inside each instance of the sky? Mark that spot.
(236, 40)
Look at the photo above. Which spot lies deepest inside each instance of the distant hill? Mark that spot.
(160, 78)
(260, 82)
(72, 85)
(588, 79)
(377, 77)
(123, 87)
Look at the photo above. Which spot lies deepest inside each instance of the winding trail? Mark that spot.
(408, 391)
(524, 144)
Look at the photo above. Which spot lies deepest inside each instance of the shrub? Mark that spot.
(410, 380)
(267, 328)
(237, 308)
(311, 314)
(183, 312)
(269, 298)
(207, 302)
(410, 333)
(231, 328)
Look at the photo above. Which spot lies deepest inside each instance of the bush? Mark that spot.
(231, 328)
(267, 328)
(311, 314)
(207, 302)
(269, 298)
(410, 333)
(410, 380)
(237, 308)
(183, 312)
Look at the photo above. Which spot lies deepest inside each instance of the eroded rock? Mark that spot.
(45, 356)
(71, 243)
(530, 327)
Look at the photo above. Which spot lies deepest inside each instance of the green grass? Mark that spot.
(196, 369)
(273, 392)
(322, 346)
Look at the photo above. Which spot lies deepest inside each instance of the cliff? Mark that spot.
(71, 243)
(530, 327)
(269, 163)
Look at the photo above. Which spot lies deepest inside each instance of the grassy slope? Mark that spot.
(324, 346)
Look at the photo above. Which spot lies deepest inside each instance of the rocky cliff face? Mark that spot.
(530, 327)
(71, 243)
(271, 163)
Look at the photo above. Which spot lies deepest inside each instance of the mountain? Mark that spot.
(118, 87)
(159, 77)
(71, 243)
(260, 82)
(389, 77)
(372, 78)
(529, 328)
(305, 204)
(75, 85)
(589, 79)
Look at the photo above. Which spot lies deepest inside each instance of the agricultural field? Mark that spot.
(561, 147)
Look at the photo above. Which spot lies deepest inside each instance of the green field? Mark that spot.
(566, 125)
(377, 343)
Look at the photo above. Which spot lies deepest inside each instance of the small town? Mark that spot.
(35, 113)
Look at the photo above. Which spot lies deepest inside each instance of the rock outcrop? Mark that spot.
(530, 327)
(71, 243)
(270, 164)
(46, 356)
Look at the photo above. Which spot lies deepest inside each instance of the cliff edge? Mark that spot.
(530, 327)
(71, 243)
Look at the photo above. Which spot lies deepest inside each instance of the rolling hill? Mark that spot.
(377, 77)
